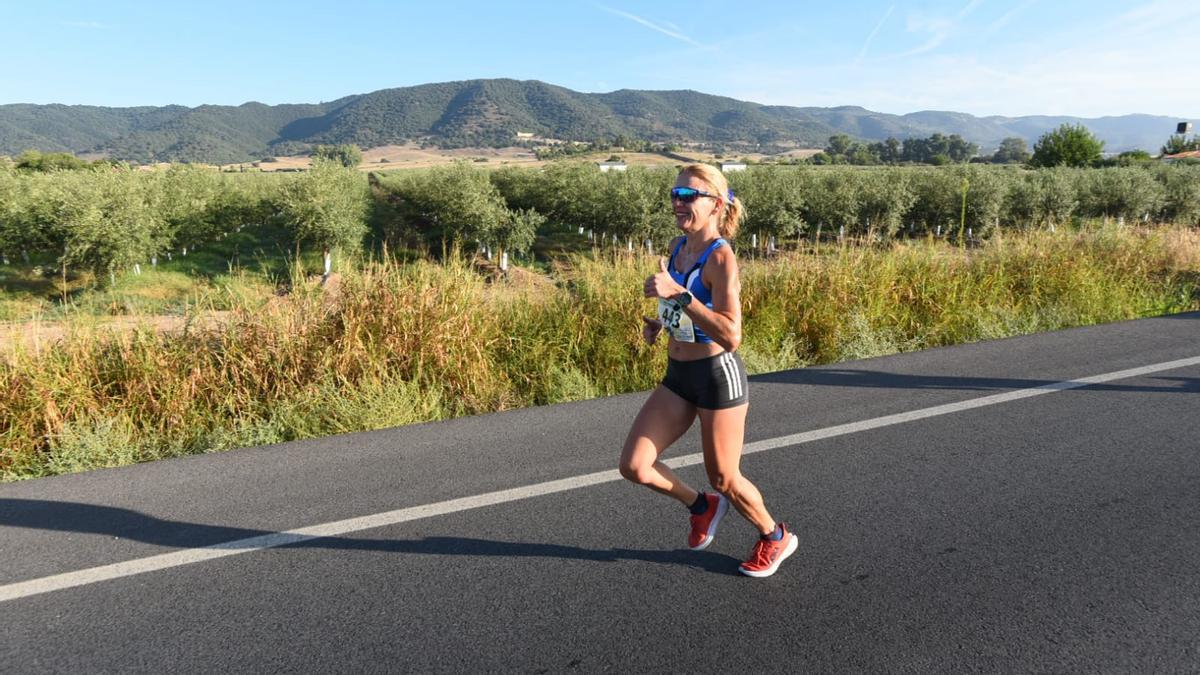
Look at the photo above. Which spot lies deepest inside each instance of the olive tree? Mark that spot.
(183, 197)
(938, 204)
(1128, 193)
(575, 195)
(831, 198)
(885, 197)
(985, 192)
(521, 188)
(635, 203)
(773, 198)
(327, 207)
(1181, 194)
(101, 220)
(516, 232)
(12, 197)
(452, 203)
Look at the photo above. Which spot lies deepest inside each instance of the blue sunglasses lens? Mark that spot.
(685, 194)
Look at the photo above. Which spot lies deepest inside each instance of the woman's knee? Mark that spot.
(637, 473)
(723, 481)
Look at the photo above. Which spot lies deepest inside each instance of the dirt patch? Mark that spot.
(37, 335)
(406, 156)
(516, 282)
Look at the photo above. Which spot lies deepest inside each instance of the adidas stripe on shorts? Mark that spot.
(712, 383)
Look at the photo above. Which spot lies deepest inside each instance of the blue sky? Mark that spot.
(984, 57)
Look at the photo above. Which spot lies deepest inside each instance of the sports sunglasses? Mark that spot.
(688, 195)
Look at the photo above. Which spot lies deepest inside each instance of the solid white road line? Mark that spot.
(93, 575)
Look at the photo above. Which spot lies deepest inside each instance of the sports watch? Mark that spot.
(683, 299)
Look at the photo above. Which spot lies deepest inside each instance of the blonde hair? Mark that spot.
(733, 212)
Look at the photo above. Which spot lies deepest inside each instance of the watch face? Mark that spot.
(685, 299)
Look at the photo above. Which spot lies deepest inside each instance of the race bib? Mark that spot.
(676, 321)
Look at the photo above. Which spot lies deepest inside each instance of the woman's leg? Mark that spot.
(723, 432)
(663, 419)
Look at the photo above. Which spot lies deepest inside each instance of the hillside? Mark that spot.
(491, 112)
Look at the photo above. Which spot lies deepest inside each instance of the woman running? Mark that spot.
(699, 306)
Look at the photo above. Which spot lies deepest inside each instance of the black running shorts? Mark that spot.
(713, 383)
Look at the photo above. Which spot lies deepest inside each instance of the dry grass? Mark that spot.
(404, 343)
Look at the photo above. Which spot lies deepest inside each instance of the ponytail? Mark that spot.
(731, 219)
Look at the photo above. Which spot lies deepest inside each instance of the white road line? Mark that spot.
(93, 575)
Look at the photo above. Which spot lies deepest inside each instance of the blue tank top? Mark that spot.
(691, 279)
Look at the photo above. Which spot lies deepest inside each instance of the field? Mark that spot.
(412, 156)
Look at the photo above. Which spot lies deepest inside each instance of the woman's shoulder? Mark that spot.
(722, 261)
(723, 254)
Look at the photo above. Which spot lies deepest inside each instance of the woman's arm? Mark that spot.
(723, 323)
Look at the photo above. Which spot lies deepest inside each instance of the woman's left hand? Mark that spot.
(661, 285)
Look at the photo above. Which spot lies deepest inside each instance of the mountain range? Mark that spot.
(491, 112)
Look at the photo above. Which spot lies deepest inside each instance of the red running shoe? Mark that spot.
(704, 526)
(767, 555)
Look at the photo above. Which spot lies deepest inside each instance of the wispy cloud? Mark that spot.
(874, 31)
(939, 28)
(664, 29)
(1082, 81)
(1007, 17)
(95, 25)
(1152, 18)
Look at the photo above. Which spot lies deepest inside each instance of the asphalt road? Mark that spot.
(1051, 532)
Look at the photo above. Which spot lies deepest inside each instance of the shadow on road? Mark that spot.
(136, 526)
(841, 377)
(705, 560)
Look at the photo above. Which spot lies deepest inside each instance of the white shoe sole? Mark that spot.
(722, 507)
(792, 545)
